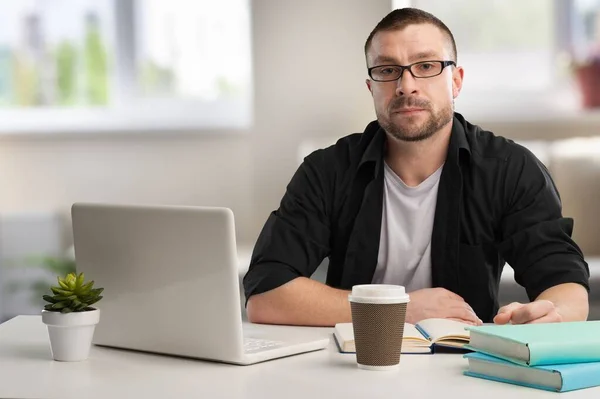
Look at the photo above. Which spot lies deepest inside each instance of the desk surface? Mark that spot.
(27, 371)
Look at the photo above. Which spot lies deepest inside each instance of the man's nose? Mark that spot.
(407, 84)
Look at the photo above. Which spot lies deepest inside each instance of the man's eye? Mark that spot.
(426, 66)
(389, 71)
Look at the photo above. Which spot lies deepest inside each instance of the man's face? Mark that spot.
(413, 109)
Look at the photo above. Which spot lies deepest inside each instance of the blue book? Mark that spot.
(539, 344)
(557, 378)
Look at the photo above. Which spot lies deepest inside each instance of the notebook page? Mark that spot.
(413, 335)
(444, 329)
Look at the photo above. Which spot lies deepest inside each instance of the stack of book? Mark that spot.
(556, 357)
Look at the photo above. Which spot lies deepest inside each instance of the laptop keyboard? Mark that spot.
(253, 345)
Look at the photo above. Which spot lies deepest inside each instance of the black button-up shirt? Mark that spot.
(496, 203)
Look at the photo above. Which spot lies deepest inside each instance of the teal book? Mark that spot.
(539, 344)
(557, 378)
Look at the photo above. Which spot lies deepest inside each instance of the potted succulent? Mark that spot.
(70, 318)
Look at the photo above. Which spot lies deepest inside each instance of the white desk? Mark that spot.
(27, 371)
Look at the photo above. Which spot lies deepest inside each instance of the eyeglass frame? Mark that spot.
(409, 68)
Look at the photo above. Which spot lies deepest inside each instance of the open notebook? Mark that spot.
(419, 338)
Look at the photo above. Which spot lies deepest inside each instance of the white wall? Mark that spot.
(310, 77)
(51, 174)
(309, 81)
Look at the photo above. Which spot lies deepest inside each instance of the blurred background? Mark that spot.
(216, 103)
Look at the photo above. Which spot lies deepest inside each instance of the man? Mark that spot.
(422, 198)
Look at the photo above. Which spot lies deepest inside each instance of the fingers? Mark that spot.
(510, 307)
(452, 295)
(552, 317)
(469, 322)
(517, 313)
(465, 313)
(502, 318)
(533, 311)
(505, 313)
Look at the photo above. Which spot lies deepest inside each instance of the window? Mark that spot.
(516, 49)
(125, 64)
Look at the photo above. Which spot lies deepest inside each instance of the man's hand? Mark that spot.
(439, 302)
(540, 311)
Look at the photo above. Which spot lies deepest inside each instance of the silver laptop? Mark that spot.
(171, 284)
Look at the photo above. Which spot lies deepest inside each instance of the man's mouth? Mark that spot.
(408, 110)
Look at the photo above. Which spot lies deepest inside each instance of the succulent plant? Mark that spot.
(72, 295)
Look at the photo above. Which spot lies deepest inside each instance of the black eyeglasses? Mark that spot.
(422, 69)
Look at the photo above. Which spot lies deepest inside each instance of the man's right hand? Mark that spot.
(439, 303)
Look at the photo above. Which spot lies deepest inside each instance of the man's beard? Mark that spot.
(433, 124)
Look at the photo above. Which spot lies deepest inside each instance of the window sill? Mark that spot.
(532, 116)
(147, 118)
(540, 116)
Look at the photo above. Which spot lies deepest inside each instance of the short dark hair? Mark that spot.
(403, 17)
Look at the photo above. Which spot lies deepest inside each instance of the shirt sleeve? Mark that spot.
(536, 240)
(295, 238)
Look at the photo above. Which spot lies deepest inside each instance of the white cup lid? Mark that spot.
(378, 293)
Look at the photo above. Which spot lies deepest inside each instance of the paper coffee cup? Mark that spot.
(378, 316)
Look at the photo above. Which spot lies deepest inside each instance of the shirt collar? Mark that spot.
(377, 138)
(458, 138)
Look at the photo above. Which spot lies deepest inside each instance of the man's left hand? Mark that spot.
(540, 311)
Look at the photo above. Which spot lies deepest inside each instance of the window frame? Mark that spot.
(560, 100)
(126, 113)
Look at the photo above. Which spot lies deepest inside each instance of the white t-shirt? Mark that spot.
(406, 226)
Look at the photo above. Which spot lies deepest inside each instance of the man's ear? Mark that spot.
(368, 82)
(457, 81)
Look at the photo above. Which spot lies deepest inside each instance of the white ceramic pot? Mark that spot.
(71, 333)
